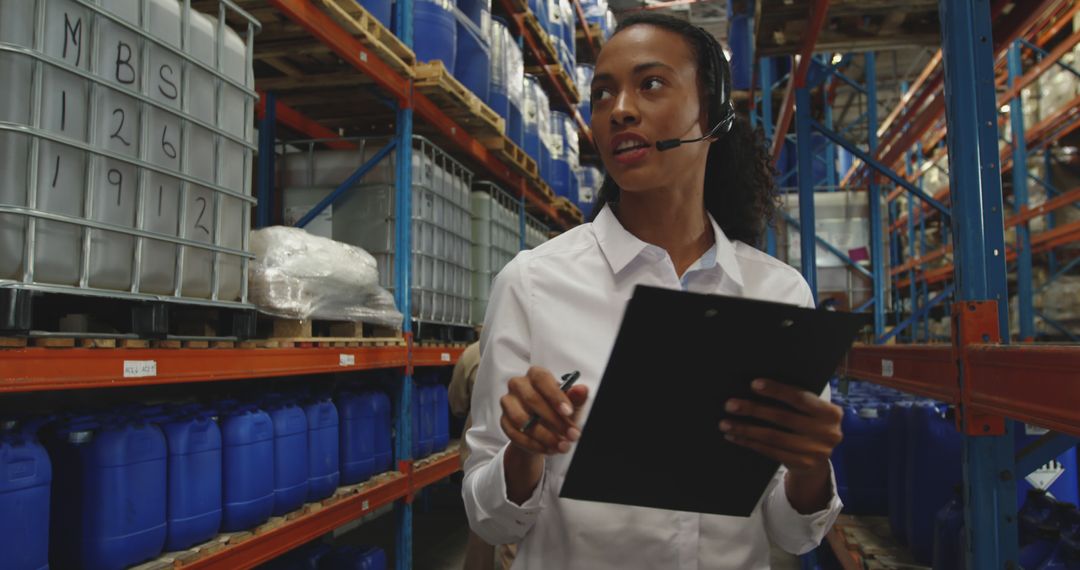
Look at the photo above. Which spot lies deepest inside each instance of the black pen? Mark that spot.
(568, 382)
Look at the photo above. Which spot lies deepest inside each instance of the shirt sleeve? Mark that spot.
(787, 528)
(791, 530)
(504, 353)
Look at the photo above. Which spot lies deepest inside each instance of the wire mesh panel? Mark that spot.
(496, 231)
(536, 232)
(126, 148)
(364, 216)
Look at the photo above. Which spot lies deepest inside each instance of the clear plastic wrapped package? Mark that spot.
(1061, 300)
(302, 276)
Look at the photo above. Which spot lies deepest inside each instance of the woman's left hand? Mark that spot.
(803, 439)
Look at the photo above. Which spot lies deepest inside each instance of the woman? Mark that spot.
(681, 218)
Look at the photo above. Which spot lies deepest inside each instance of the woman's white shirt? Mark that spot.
(559, 307)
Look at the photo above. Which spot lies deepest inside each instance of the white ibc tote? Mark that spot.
(126, 146)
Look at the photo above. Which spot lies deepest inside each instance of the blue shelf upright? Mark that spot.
(979, 254)
(1024, 278)
(403, 511)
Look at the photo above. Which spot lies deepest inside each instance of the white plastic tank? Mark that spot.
(61, 169)
(114, 184)
(365, 216)
(236, 162)
(14, 147)
(198, 210)
(515, 72)
(572, 149)
(107, 115)
(207, 214)
(161, 201)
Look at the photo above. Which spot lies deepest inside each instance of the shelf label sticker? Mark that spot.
(364, 505)
(1035, 430)
(140, 368)
(886, 368)
(1045, 476)
(445, 357)
(347, 360)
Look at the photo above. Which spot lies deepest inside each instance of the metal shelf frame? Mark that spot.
(409, 106)
(992, 383)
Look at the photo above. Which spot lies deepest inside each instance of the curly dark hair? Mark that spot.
(740, 188)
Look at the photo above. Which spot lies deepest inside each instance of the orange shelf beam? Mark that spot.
(1026, 215)
(268, 545)
(34, 369)
(584, 25)
(1040, 242)
(296, 121)
(435, 356)
(1061, 123)
(435, 471)
(271, 544)
(345, 45)
(1037, 384)
(927, 370)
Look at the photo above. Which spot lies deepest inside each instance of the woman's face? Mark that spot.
(646, 90)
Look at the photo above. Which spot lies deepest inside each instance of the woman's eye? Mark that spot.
(600, 94)
(652, 83)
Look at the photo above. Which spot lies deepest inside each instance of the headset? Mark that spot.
(722, 111)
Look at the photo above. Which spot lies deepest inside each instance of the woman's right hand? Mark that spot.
(538, 393)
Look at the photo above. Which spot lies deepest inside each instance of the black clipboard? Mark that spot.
(652, 438)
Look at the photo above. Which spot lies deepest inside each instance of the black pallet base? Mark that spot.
(443, 333)
(22, 311)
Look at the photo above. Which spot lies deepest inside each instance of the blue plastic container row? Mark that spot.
(923, 471)
(112, 490)
(564, 156)
(430, 416)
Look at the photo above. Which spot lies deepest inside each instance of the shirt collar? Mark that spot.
(620, 247)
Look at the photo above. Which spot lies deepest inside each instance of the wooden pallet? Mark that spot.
(584, 54)
(183, 558)
(372, 33)
(565, 81)
(564, 206)
(547, 46)
(513, 155)
(460, 104)
(868, 543)
(451, 448)
(545, 189)
(289, 333)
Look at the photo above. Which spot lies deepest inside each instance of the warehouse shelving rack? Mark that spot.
(991, 382)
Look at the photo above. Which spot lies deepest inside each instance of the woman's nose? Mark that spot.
(625, 111)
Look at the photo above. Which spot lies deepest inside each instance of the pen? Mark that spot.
(568, 382)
